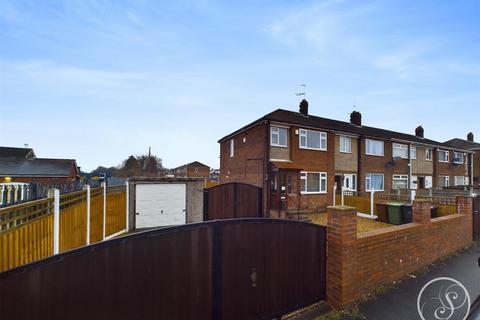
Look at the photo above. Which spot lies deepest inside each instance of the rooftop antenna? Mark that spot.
(149, 152)
(302, 91)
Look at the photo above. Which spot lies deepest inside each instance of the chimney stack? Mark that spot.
(419, 132)
(470, 137)
(356, 118)
(304, 107)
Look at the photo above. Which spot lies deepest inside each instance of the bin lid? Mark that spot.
(395, 204)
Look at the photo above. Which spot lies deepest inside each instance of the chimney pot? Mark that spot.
(419, 132)
(304, 107)
(356, 118)
(470, 137)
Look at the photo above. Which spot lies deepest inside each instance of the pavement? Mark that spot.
(400, 302)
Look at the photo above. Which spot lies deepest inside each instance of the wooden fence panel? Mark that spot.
(26, 243)
(116, 212)
(96, 215)
(73, 220)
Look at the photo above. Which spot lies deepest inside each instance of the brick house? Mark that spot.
(297, 158)
(21, 165)
(192, 170)
(474, 158)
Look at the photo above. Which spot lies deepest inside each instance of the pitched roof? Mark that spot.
(39, 167)
(20, 153)
(310, 121)
(193, 164)
(463, 144)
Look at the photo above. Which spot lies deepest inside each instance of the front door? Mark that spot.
(289, 190)
(350, 182)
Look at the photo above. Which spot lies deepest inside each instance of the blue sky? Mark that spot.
(100, 80)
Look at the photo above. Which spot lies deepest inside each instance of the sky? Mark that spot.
(99, 80)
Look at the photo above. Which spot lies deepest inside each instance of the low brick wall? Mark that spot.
(359, 264)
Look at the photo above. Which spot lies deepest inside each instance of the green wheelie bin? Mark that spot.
(395, 214)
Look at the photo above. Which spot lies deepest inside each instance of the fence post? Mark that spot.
(372, 202)
(55, 194)
(343, 202)
(334, 193)
(87, 187)
(127, 204)
(104, 186)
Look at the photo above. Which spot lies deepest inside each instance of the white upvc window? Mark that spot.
(278, 137)
(374, 182)
(345, 144)
(400, 150)
(232, 148)
(313, 182)
(443, 181)
(374, 147)
(443, 156)
(400, 181)
(459, 157)
(413, 153)
(315, 140)
(428, 154)
(460, 181)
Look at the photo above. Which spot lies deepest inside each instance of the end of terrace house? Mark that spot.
(298, 158)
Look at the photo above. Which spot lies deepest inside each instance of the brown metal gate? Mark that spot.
(232, 200)
(476, 218)
(227, 269)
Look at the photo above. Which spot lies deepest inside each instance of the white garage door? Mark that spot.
(159, 205)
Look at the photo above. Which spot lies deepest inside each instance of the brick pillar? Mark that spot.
(464, 205)
(422, 211)
(341, 242)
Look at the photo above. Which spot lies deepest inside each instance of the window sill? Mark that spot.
(348, 152)
(315, 149)
(307, 193)
(375, 155)
(278, 146)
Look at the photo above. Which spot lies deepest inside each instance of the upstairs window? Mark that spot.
(374, 147)
(315, 140)
(459, 157)
(443, 156)
(400, 151)
(345, 144)
(232, 148)
(413, 153)
(278, 137)
(428, 154)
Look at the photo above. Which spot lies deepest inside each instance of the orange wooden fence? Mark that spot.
(27, 230)
(27, 233)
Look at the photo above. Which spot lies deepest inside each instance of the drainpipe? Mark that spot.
(266, 171)
(410, 172)
(471, 168)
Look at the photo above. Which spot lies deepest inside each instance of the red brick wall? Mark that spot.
(383, 256)
(318, 161)
(247, 164)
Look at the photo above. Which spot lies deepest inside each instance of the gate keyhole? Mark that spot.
(253, 277)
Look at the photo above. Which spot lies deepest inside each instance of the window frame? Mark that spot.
(321, 176)
(447, 180)
(411, 153)
(232, 148)
(401, 146)
(368, 177)
(349, 144)
(402, 177)
(455, 181)
(373, 154)
(304, 133)
(278, 135)
(447, 153)
(455, 156)
(429, 151)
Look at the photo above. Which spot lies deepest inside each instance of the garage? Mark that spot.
(160, 205)
(158, 202)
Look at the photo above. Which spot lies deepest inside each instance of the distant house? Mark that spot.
(192, 170)
(21, 165)
(471, 145)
